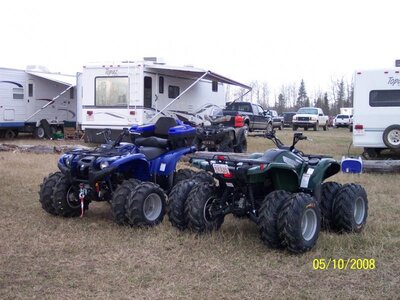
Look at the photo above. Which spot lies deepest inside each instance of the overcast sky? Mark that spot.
(275, 41)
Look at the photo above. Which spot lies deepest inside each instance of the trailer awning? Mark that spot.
(68, 80)
(193, 73)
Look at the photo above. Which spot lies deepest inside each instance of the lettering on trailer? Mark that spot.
(110, 72)
(394, 81)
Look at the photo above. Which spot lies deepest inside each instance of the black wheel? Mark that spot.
(268, 218)
(316, 126)
(241, 146)
(65, 199)
(299, 223)
(120, 198)
(325, 127)
(280, 126)
(200, 208)
(294, 127)
(391, 137)
(147, 205)
(305, 128)
(202, 176)
(46, 192)
(176, 204)
(350, 208)
(183, 174)
(227, 143)
(328, 193)
(39, 132)
(9, 134)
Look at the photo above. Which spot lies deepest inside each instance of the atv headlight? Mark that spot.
(104, 164)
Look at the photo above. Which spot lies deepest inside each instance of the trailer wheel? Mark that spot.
(299, 223)
(391, 137)
(120, 197)
(65, 199)
(46, 192)
(39, 132)
(147, 205)
(328, 193)
(9, 134)
(305, 128)
(200, 209)
(268, 218)
(350, 208)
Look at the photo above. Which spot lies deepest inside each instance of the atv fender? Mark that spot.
(283, 176)
(136, 164)
(166, 163)
(325, 168)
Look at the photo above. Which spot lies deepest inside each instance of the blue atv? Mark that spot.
(133, 177)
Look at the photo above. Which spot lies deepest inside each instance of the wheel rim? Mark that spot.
(359, 210)
(72, 200)
(308, 224)
(394, 137)
(152, 207)
(208, 209)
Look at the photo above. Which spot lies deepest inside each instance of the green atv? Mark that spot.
(282, 190)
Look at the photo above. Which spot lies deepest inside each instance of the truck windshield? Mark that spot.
(308, 111)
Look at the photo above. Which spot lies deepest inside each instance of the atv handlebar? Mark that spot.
(297, 136)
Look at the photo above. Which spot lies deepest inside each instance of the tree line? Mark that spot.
(291, 97)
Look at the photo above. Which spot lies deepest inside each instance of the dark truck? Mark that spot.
(255, 118)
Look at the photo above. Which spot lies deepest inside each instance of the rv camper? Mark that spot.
(118, 95)
(35, 100)
(376, 119)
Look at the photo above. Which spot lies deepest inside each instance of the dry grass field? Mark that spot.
(47, 257)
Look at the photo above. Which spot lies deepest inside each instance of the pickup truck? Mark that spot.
(255, 118)
(277, 121)
(310, 117)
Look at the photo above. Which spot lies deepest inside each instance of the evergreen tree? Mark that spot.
(325, 105)
(280, 107)
(302, 98)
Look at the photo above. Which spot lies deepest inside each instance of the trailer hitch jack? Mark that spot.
(82, 194)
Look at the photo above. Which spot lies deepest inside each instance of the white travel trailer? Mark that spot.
(35, 100)
(121, 94)
(376, 119)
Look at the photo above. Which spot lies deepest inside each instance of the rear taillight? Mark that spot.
(228, 175)
(239, 121)
(221, 157)
(358, 127)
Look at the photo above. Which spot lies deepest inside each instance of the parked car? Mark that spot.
(277, 121)
(342, 121)
(288, 118)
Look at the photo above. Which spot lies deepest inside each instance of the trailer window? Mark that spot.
(71, 93)
(384, 98)
(161, 85)
(111, 91)
(214, 86)
(173, 91)
(18, 93)
(30, 90)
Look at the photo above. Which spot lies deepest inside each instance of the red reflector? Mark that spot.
(358, 127)
(262, 167)
(132, 112)
(90, 112)
(228, 175)
(220, 157)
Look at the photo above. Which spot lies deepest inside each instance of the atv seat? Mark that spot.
(159, 137)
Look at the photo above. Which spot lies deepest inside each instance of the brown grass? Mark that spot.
(42, 256)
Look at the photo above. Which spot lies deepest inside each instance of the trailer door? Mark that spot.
(148, 92)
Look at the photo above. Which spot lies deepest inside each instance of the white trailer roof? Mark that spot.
(192, 73)
(69, 80)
